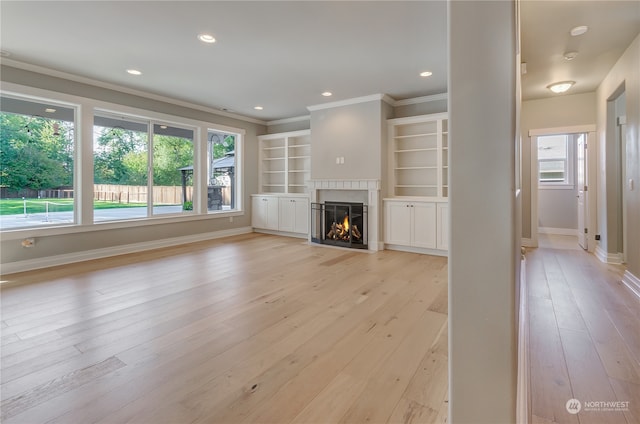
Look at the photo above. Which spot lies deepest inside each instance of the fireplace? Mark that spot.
(340, 224)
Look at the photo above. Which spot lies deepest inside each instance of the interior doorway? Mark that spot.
(562, 200)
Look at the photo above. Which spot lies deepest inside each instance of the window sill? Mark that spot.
(20, 233)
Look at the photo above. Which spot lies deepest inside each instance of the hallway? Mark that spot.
(584, 337)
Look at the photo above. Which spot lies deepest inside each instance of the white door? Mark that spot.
(424, 225)
(301, 216)
(286, 216)
(581, 164)
(398, 223)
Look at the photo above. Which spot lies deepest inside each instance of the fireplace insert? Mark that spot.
(339, 224)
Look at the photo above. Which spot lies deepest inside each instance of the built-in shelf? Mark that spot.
(418, 156)
(286, 162)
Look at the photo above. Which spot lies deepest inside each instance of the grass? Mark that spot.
(16, 206)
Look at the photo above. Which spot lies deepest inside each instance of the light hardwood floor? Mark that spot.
(584, 337)
(254, 328)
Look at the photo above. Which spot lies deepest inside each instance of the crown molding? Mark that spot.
(109, 86)
(384, 97)
(423, 99)
(289, 120)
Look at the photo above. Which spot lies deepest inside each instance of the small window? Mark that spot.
(554, 164)
(222, 181)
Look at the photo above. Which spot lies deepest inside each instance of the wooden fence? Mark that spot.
(167, 195)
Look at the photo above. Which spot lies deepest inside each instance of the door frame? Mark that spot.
(590, 219)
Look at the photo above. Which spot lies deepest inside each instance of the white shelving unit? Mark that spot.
(418, 149)
(285, 162)
(416, 211)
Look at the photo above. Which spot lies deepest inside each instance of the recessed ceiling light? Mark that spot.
(327, 94)
(426, 74)
(570, 55)
(561, 87)
(50, 110)
(258, 107)
(134, 72)
(579, 30)
(206, 38)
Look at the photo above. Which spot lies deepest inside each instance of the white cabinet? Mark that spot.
(285, 162)
(293, 215)
(410, 224)
(275, 212)
(416, 224)
(442, 229)
(418, 155)
(264, 212)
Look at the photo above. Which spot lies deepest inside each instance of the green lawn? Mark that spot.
(16, 206)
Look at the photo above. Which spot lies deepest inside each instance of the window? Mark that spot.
(554, 160)
(145, 165)
(120, 168)
(37, 149)
(222, 184)
(123, 169)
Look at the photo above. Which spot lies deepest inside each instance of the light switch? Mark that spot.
(337, 160)
(341, 160)
(630, 184)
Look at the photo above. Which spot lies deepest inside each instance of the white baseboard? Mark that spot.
(558, 231)
(522, 391)
(608, 258)
(632, 282)
(420, 250)
(31, 264)
(527, 242)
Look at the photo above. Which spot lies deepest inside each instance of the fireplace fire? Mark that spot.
(339, 224)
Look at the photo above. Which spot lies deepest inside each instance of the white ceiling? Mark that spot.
(283, 55)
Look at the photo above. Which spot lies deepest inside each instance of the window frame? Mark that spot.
(85, 109)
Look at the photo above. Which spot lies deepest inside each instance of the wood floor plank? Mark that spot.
(589, 378)
(550, 384)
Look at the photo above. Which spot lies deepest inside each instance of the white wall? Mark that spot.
(483, 207)
(352, 131)
(625, 73)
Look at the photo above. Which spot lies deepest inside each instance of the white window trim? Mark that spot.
(83, 163)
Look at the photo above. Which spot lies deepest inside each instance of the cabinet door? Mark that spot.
(443, 226)
(398, 223)
(301, 216)
(258, 212)
(286, 214)
(272, 213)
(424, 225)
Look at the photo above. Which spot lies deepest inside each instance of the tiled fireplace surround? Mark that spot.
(364, 191)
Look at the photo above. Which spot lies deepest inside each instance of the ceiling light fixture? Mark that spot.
(327, 94)
(426, 74)
(50, 110)
(206, 38)
(560, 87)
(570, 55)
(258, 107)
(134, 72)
(579, 30)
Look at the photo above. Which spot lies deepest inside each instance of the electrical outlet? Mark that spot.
(597, 236)
(28, 242)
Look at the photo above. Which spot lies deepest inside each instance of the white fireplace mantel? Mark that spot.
(372, 190)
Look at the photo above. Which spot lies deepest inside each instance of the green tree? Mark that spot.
(35, 153)
(112, 147)
(169, 155)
